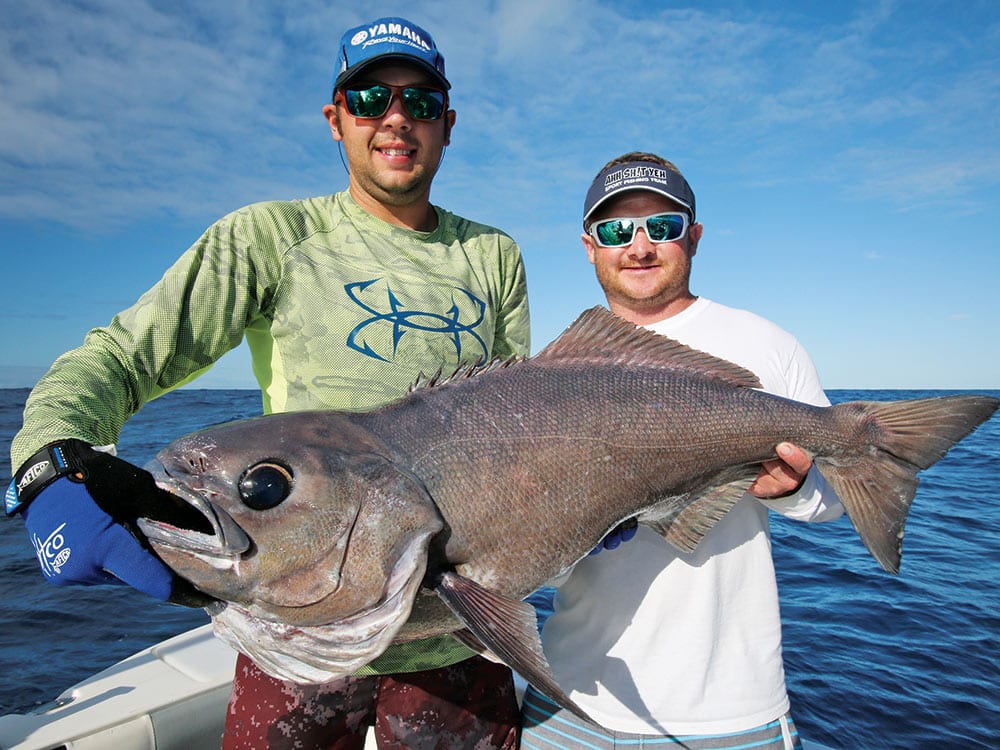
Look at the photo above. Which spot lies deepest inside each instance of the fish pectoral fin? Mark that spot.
(684, 523)
(465, 637)
(508, 629)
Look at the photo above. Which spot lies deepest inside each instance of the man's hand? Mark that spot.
(782, 475)
(78, 543)
(83, 521)
(623, 532)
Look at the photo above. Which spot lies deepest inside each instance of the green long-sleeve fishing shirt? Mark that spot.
(340, 311)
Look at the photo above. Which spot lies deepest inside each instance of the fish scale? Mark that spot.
(663, 443)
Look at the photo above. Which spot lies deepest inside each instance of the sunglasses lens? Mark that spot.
(614, 232)
(423, 104)
(372, 101)
(665, 228)
(659, 228)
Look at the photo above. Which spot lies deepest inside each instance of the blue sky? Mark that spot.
(845, 156)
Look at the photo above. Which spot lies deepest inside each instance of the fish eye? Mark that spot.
(265, 485)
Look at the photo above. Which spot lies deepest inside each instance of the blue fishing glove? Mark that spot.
(77, 542)
(80, 508)
(623, 532)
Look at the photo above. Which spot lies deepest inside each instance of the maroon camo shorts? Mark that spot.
(467, 705)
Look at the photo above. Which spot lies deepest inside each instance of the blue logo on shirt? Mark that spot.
(447, 324)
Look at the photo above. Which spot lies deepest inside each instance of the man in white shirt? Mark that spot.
(658, 646)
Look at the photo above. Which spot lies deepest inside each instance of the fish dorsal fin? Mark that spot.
(599, 336)
(462, 372)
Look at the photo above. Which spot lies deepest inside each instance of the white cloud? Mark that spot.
(118, 108)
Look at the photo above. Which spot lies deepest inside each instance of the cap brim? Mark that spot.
(627, 188)
(360, 67)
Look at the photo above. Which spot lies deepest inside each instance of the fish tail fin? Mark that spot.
(899, 438)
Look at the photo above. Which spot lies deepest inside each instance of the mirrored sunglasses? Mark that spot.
(620, 231)
(420, 102)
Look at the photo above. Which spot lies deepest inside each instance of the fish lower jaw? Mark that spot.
(205, 548)
(219, 562)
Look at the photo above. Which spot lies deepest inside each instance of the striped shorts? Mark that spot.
(546, 726)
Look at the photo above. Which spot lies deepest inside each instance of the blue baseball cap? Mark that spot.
(388, 39)
(638, 175)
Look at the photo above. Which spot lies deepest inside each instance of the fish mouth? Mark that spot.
(222, 548)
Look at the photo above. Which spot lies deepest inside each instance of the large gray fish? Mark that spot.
(337, 534)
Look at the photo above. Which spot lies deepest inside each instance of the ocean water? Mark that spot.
(872, 660)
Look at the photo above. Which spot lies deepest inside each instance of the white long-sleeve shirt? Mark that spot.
(651, 640)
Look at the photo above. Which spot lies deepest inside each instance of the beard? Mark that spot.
(673, 282)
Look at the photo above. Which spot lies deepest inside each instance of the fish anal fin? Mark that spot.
(599, 336)
(684, 525)
(508, 629)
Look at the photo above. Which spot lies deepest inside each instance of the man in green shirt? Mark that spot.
(344, 301)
